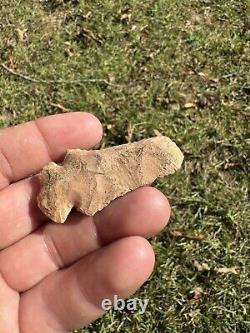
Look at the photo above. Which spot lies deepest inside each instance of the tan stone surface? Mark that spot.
(90, 180)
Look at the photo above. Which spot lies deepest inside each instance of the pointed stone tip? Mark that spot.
(169, 147)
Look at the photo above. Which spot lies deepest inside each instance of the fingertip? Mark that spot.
(143, 212)
(69, 131)
(159, 208)
(92, 125)
(132, 264)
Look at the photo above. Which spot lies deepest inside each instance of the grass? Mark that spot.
(181, 67)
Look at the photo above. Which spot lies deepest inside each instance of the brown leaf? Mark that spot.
(89, 35)
(189, 105)
(196, 294)
(126, 17)
(61, 107)
(21, 34)
(207, 77)
(178, 232)
(69, 51)
(227, 270)
(156, 132)
(203, 267)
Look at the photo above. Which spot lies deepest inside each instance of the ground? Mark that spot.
(180, 67)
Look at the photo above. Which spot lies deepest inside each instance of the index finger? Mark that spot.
(26, 148)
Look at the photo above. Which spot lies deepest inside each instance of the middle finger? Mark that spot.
(143, 212)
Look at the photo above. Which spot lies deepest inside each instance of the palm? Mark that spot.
(53, 277)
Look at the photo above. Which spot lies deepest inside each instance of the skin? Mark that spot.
(54, 277)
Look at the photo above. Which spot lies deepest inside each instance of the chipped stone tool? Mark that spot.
(90, 180)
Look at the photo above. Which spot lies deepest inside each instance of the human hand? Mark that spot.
(53, 277)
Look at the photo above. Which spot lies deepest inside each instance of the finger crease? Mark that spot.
(88, 292)
(7, 170)
(99, 239)
(53, 251)
(43, 139)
